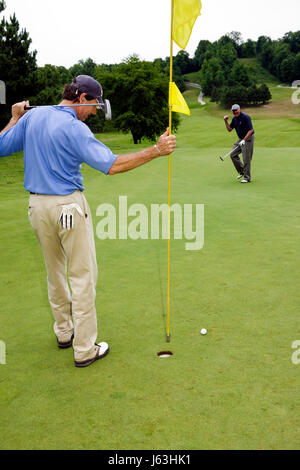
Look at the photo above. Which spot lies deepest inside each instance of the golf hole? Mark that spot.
(165, 354)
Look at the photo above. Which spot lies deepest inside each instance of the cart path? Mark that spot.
(196, 85)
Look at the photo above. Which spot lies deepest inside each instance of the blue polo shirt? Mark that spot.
(242, 124)
(55, 145)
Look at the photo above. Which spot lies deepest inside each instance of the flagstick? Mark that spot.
(169, 180)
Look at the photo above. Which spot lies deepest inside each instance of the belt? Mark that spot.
(39, 194)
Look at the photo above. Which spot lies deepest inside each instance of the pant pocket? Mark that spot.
(30, 215)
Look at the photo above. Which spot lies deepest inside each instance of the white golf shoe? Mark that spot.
(103, 350)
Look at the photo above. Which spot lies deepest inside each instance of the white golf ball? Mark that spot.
(203, 331)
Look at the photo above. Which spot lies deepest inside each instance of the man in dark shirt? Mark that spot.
(241, 122)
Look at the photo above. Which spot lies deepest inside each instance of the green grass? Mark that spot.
(236, 387)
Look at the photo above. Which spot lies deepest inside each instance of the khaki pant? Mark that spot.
(69, 256)
(247, 153)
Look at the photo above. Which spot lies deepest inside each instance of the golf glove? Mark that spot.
(242, 142)
(67, 218)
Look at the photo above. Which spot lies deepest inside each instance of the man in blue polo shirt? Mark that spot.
(56, 142)
(241, 122)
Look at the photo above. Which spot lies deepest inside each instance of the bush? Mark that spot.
(252, 95)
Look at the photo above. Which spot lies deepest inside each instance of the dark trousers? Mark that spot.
(247, 152)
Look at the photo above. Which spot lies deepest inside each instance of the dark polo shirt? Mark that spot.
(242, 124)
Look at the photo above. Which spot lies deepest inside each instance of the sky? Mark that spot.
(108, 31)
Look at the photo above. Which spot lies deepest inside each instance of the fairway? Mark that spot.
(234, 388)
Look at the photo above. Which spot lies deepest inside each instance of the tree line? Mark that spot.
(138, 90)
(226, 79)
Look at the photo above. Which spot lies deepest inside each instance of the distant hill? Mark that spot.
(258, 72)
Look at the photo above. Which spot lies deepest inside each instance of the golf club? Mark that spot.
(223, 158)
(105, 107)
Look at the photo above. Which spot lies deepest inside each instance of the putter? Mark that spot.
(105, 107)
(223, 158)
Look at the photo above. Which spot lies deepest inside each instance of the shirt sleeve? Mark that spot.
(232, 124)
(13, 140)
(90, 150)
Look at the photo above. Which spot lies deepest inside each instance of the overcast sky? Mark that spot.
(108, 31)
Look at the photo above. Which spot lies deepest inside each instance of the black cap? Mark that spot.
(90, 86)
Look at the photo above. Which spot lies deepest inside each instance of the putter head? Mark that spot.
(221, 158)
(108, 114)
(107, 109)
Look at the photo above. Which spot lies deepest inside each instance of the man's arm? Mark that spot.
(165, 146)
(227, 124)
(12, 136)
(17, 111)
(249, 133)
(11, 123)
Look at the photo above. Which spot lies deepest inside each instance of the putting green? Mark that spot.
(234, 388)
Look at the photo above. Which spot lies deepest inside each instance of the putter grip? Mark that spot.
(28, 107)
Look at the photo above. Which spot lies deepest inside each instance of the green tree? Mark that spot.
(237, 41)
(227, 55)
(200, 54)
(266, 55)
(280, 51)
(182, 61)
(83, 67)
(287, 68)
(248, 49)
(264, 94)
(297, 66)
(253, 94)
(234, 94)
(17, 63)
(239, 74)
(49, 82)
(262, 40)
(211, 75)
(293, 39)
(138, 93)
(215, 94)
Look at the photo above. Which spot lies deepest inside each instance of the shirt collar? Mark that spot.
(69, 110)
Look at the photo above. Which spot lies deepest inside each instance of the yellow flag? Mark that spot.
(185, 13)
(177, 101)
